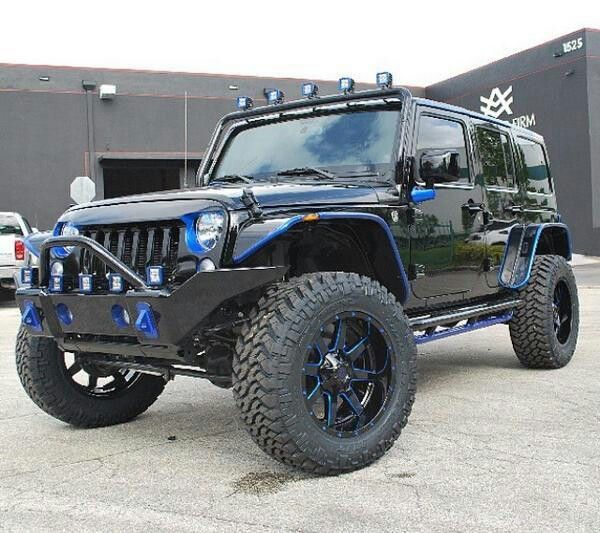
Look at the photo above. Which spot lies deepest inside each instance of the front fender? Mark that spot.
(386, 259)
(527, 241)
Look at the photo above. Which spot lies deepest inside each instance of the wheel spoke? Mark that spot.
(93, 381)
(353, 401)
(314, 395)
(74, 368)
(360, 374)
(358, 349)
(322, 348)
(331, 408)
(339, 338)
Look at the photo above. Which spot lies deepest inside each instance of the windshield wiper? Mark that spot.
(308, 171)
(233, 178)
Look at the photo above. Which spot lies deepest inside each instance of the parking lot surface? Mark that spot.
(490, 446)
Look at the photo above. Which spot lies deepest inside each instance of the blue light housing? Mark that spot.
(31, 316)
(346, 85)
(64, 314)
(422, 195)
(86, 283)
(384, 80)
(115, 283)
(28, 276)
(310, 90)
(274, 96)
(146, 322)
(56, 284)
(155, 275)
(244, 102)
(120, 316)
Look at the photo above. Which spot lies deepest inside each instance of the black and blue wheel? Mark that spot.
(324, 375)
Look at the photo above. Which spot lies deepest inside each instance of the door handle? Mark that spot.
(513, 209)
(472, 207)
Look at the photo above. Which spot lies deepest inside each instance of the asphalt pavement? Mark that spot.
(490, 446)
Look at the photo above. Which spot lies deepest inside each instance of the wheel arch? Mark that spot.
(349, 241)
(525, 242)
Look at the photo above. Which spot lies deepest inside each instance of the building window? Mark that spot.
(496, 158)
(535, 166)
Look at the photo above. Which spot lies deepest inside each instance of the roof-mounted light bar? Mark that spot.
(310, 90)
(244, 103)
(274, 96)
(346, 85)
(384, 80)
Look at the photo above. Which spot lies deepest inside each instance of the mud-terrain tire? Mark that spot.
(545, 325)
(49, 385)
(272, 360)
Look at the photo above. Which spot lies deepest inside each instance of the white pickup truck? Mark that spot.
(13, 252)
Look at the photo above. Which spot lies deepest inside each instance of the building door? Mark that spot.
(447, 246)
(124, 178)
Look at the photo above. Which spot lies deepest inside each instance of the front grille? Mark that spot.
(137, 246)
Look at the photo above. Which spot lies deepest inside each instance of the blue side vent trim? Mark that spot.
(146, 322)
(31, 316)
(466, 328)
(419, 195)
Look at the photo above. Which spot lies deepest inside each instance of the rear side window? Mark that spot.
(496, 158)
(535, 166)
(9, 225)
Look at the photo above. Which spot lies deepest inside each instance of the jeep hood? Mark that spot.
(267, 195)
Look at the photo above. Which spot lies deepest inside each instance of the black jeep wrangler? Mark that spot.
(325, 240)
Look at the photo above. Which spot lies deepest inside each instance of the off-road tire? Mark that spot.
(267, 370)
(47, 385)
(532, 328)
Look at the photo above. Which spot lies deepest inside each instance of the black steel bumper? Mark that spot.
(177, 314)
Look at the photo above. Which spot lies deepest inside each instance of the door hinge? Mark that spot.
(416, 271)
(413, 215)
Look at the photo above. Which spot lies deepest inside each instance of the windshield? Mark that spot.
(346, 144)
(9, 225)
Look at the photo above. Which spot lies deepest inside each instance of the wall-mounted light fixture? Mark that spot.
(44, 78)
(107, 91)
(233, 87)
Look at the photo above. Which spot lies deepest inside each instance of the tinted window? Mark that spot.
(536, 166)
(342, 143)
(9, 225)
(439, 135)
(496, 158)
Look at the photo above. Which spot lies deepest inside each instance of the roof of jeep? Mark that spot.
(461, 110)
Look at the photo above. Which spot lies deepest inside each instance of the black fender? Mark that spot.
(525, 241)
(387, 262)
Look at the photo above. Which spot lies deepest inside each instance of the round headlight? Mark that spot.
(209, 227)
(69, 230)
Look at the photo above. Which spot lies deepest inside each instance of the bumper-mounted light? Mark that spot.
(115, 283)
(155, 275)
(56, 284)
(86, 283)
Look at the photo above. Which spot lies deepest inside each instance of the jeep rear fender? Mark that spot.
(369, 242)
(527, 241)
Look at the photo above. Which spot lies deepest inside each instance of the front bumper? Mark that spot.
(177, 314)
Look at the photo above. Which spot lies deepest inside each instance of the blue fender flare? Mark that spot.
(334, 215)
(522, 247)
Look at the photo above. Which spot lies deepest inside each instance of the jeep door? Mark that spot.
(447, 247)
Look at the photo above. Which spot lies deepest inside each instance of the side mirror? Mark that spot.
(418, 195)
(439, 166)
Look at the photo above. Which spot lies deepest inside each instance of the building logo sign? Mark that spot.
(499, 102)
